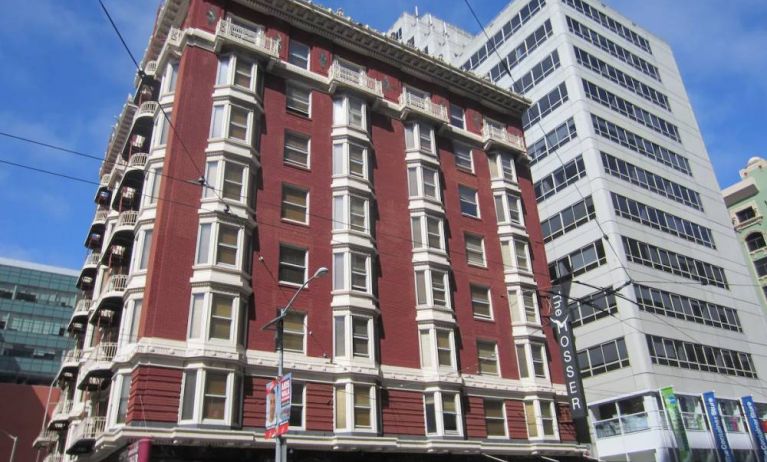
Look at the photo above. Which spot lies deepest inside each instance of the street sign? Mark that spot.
(278, 402)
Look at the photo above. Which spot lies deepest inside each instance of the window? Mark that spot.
(170, 78)
(480, 302)
(507, 208)
(353, 335)
(457, 117)
(153, 185)
(523, 306)
(593, 306)
(487, 358)
(427, 232)
(468, 200)
(674, 263)
(442, 413)
(761, 267)
(295, 204)
(298, 54)
(294, 327)
(755, 241)
(551, 141)
(536, 74)
(350, 212)
(432, 288)
(475, 249)
(225, 179)
(603, 358)
(568, 219)
(559, 179)
(232, 122)
(640, 145)
(349, 111)
(350, 159)
(350, 272)
(437, 347)
(146, 244)
(522, 51)
(420, 136)
(659, 219)
(539, 415)
(239, 72)
(745, 214)
(298, 99)
(296, 150)
(531, 357)
(226, 243)
(578, 262)
(210, 396)
(423, 182)
(610, 23)
(545, 106)
(130, 324)
(495, 418)
(292, 264)
(215, 314)
(355, 407)
(519, 260)
(463, 158)
(502, 166)
(297, 400)
(161, 128)
(123, 385)
(687, 355)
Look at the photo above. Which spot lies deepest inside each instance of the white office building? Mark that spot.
(628, 200)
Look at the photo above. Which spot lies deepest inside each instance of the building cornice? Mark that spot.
(360, 38)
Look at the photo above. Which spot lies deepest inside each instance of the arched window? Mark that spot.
(755, 241)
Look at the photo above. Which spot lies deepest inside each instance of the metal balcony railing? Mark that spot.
(248, 38)
(356, 78)
(117, 283)
(137, 160)
(88, 428)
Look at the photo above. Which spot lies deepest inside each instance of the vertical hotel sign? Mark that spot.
(671, 404)
(755, 425)
(278, 402)
(560, 317)
(717, 427)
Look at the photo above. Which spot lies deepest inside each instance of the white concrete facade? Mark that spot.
(658, 110)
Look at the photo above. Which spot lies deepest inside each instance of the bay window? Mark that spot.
(432, 288)
(541, 423)
(437, 348)
(232, 122)
(351, 212)
(523, 306)
(351, 271)
(353, 337)
(130, 321)
(145, 245)
(420, 136)
(170, 78)
(427, 232)
(442, 414)
(507, 208)
(220, 244)
(350, 159)
(515, 256)
(502, 166)
(152, 186)
(531, 359)
(225, 179)
(355, 407)
(423, 181)
(215, 317)
(350, 111)
(121, 395)
(210, 396)
(234, 70)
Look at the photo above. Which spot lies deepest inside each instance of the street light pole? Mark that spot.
(281, 446)
(15, 440)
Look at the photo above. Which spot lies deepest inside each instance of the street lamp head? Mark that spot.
(321, 271)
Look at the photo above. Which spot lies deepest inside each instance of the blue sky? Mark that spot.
(65, 78)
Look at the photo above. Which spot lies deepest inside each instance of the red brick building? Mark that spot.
(301, 139)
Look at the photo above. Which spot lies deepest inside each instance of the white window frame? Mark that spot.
(223, 132)
(500, 162)
(302, 136)
(346, 391)
(344, 259)
(468, 237)
(420, 236)
(503, 214)
(503, 413)
(509, 255)
(464, 188)
(170, 78)
(152, 185)
(291, 54)
(295, 110)
(494, 358)
(204, 314)
(415, 128)
(486, 290)
(528, 347)
(118, 385)
(342, 162)
(283, 202)
(230, 70)
(342, 212)
(519, 308)
(306, 263)
(346, 337)
(232, 397)
(342, 112)
(417, 174)
(142, 256)
(215, 177)
(213, 244)
(303, 333)
(428, 289)
(438, 397)
(131, 319)
(429, 348)
(293, 394)
(537, 405)
(460, 150)
(463, 116)
(161, 130)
